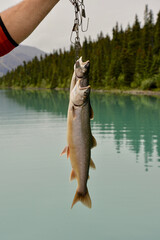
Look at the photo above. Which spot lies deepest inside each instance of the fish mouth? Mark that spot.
(87, 64)
(84, 64)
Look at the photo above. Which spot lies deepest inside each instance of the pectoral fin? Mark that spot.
(92, 165)
(94, 142)
(73, 112)
(65, 150)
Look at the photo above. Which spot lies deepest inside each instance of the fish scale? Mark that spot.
(79, 136)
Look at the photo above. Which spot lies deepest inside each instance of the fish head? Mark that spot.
(80, 95)
(81, 68)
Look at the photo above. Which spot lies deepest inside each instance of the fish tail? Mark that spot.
(84, 198)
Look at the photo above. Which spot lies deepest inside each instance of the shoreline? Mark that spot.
(114, 91)
(129, 92)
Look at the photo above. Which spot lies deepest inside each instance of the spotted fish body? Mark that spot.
(79, 136)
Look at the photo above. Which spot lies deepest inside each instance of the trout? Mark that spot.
(79, 136)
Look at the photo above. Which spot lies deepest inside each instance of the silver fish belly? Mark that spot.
(79, 136)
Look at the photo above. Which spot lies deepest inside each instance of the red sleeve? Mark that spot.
(7, 43)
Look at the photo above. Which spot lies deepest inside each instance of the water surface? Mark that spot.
(35, 193)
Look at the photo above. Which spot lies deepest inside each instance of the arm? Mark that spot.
(22, 19)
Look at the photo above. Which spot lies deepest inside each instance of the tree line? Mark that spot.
(128, 59)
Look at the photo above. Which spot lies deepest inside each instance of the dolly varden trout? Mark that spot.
(79, 136)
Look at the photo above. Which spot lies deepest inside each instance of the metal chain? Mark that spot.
(80, 14)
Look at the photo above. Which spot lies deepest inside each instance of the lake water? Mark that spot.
(35, 192)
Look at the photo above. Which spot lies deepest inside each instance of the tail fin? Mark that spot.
(85, 199)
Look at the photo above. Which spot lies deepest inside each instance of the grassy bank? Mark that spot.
(114, 91)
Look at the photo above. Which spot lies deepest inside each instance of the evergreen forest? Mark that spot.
(128, 59)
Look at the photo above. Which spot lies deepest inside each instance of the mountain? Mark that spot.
(17, 57)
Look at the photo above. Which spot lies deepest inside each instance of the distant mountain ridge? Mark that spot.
(17, 57)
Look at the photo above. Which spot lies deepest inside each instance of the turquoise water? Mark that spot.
(35, 192)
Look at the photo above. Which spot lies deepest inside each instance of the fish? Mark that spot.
(79, 137)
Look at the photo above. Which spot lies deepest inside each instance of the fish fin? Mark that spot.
(92, 165)
(72, 109)
(73, 175)
(94, 142)
(68, 153)
(65, 150)
(91, 113)
(85, 199)
(73, 112)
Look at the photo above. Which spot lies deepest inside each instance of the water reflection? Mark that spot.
(41, 100)
(133, 120)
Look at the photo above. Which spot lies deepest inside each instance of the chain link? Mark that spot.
(80, 14)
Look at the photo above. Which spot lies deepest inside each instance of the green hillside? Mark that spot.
(128, 59)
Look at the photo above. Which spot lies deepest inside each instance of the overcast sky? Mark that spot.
(54, 32)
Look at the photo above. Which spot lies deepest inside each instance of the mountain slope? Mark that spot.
(17, 57)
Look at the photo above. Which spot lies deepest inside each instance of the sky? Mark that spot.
(55, 30)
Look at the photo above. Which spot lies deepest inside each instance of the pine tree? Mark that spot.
(157, 36)
(125, 60)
